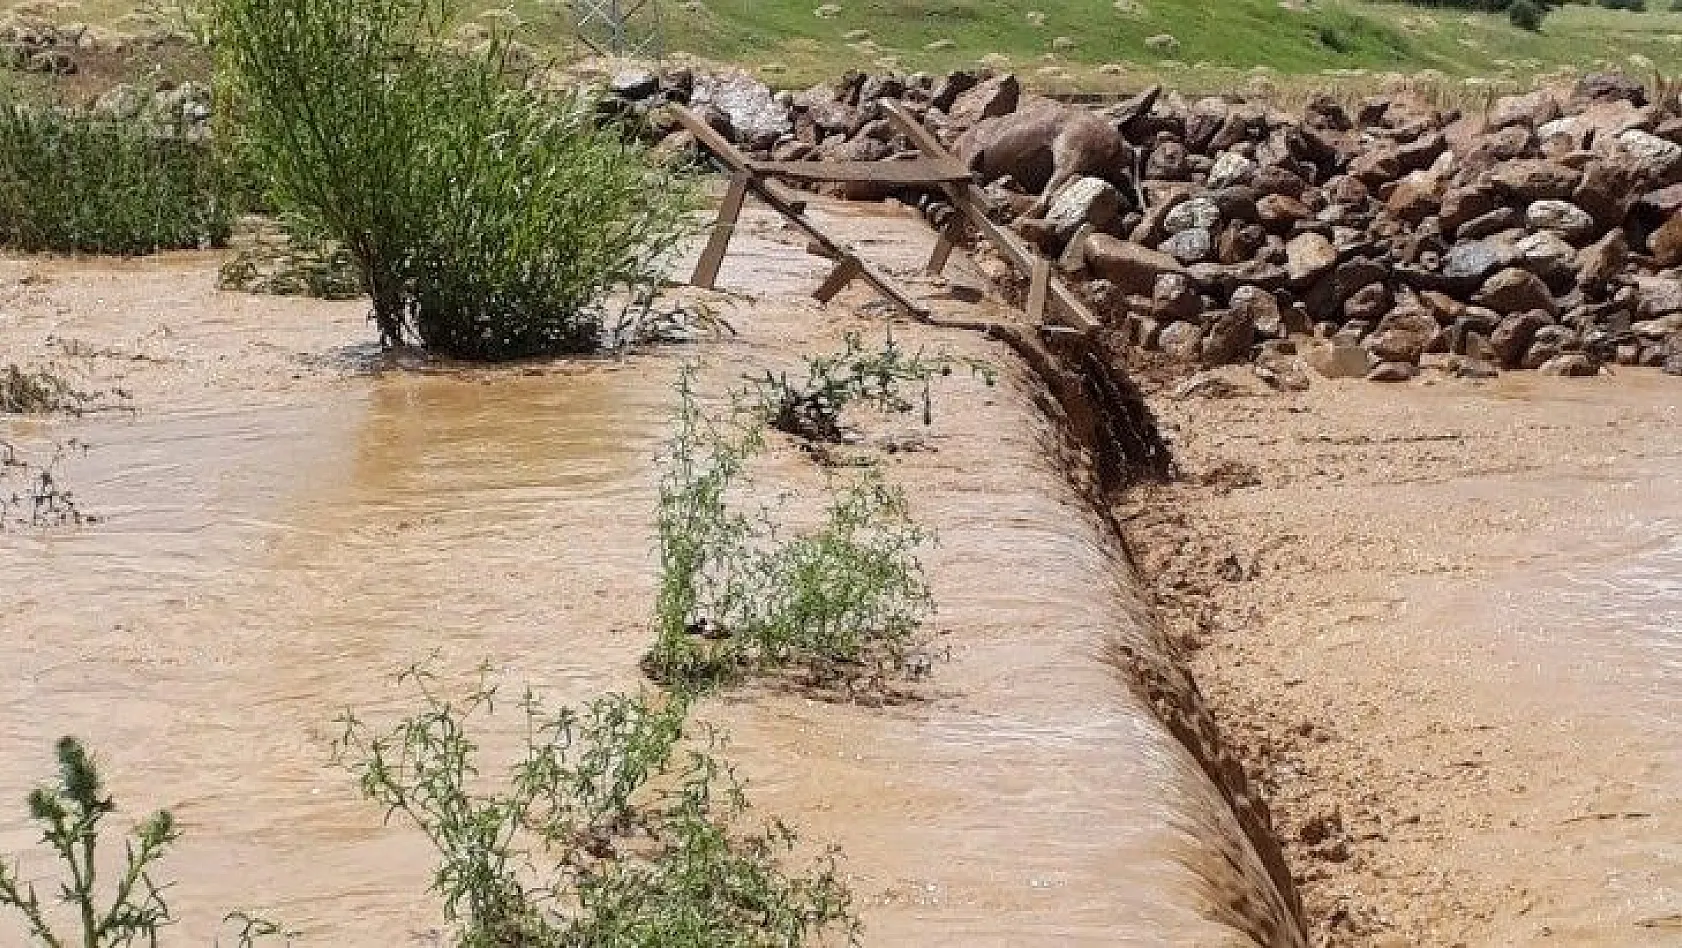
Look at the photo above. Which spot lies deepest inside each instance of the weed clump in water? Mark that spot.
(45, 391)
(489, 220)
(616, 826)
(41, 500)
(845, 600)
(814, 408)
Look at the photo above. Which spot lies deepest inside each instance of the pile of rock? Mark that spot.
(1546, 234)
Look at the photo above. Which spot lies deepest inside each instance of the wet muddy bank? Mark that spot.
(1445, 650)
(288, 520)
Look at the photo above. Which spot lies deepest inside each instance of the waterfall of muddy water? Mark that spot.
(284, 527)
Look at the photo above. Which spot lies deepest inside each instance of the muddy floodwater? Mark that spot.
(286, 520)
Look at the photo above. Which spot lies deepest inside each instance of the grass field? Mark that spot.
(1064, 42)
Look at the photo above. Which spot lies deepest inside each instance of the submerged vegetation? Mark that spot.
(814, 407)
(489, 220)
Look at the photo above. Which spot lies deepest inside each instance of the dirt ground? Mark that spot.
(1412, 607)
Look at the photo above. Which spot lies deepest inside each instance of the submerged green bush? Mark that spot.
(489, 220)
(72, 182)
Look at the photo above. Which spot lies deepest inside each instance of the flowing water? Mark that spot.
(282, 527)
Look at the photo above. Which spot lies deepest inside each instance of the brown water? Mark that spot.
(283, 529)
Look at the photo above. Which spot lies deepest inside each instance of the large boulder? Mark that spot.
(1665, 244)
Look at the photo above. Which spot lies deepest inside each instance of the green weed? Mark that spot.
(134, 910)
(615, 826)
(69, 815)
(845, 600)
(489, 220)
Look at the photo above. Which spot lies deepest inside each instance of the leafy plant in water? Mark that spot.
(814, 408)
(69, 815)
(611, 829)
(846, 600)
(488, 220)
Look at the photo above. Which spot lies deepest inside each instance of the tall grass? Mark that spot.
(489, 221)
(72, 182)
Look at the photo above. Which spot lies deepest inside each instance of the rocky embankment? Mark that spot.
(1365, 239)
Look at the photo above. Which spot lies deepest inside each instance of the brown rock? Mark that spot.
(1609, 87)
(1512, 338)
(1516, 290)
(1460, 205)
(1533, 179)
(1665, 244)
(1600, 261)
(1533, 109)
(1308, 257)
(1608, 189)
(1238, 244)
(1279, 212)
(1174, 299)
(1571, 365)
(1230, 337)
(1370, 302)
(1183, 341)
(1131, 267)
(1412, 201)
(1392, 372)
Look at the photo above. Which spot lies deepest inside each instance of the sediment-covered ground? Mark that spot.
(1441, 620)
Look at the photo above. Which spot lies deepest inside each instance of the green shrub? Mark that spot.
(1525, 15)
(846, 599)
(489, 221)
(615, 827)
(73, 182)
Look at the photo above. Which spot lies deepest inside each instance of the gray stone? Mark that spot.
(1392, 372)
(1200, 212)
(1193, 245)
(1231, 168)
(1084, 200)
(1231, 334)
(1571, 221)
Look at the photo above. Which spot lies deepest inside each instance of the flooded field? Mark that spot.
(285, 522)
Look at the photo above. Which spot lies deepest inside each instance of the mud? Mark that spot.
(288, 518)
(1446, 647)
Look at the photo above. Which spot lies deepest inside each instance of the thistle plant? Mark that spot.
(70, 815)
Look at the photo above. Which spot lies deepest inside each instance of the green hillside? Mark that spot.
(797, 41)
